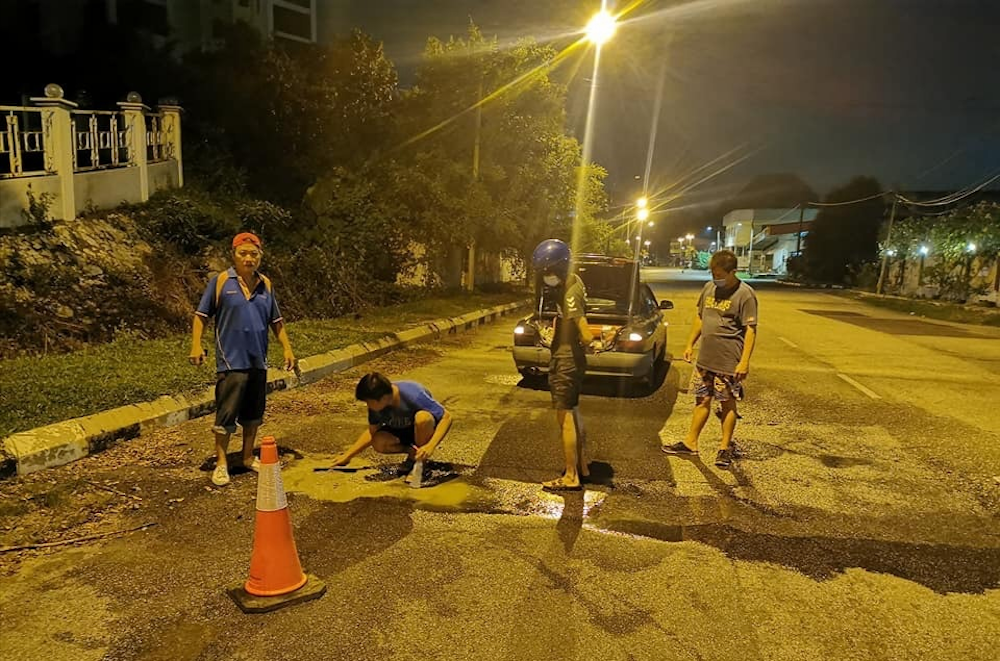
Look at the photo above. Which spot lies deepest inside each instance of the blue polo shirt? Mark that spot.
(413, 397)
(241, 324)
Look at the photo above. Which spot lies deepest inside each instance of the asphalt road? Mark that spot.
(861, 523)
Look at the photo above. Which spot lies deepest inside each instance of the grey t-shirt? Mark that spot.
(566, 340)
(725, 316)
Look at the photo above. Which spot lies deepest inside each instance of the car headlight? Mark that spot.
(635, 337)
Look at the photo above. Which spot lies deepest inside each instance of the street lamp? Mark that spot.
(642, 214)
(971, 247)
(924, 250)
(642, 202)
(689, 237)
(601, 28)
(648, 242)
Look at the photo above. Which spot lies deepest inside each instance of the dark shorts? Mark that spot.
(566, 381)
(239, 396)
(406, 435)
(718, 386)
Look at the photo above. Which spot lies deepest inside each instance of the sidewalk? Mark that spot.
(62, 442)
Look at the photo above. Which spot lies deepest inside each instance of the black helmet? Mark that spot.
(551, 256)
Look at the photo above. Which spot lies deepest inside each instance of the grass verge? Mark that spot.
(961, 314)
(40, 390)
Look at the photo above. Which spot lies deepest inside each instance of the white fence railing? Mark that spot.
(22, 142)
(53, 148)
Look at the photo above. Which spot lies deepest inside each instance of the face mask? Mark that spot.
(551, 280)
(720, 283)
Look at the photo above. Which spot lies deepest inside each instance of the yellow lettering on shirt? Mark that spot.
(722, 305)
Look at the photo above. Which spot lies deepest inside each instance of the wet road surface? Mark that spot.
(860, 524)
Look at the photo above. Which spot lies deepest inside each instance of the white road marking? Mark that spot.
(860, 387)
(789, 343)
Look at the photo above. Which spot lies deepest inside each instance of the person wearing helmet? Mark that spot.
(551, 262)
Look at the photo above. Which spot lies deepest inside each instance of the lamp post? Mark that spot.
(924, 251)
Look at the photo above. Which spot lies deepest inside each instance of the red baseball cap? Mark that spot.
(245, 237)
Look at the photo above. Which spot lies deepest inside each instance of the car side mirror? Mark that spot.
(666, 305)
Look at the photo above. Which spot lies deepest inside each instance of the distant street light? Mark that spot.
(651, 223)
(689, 237)
(601, 28)
(924, 250)
(642, 214)
(971, 247)
(641, 202)
(708, 229)
(648, 242)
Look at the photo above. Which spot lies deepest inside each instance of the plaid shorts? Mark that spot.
(720, 387)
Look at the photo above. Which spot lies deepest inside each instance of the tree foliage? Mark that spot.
(843, 239)
(958, 244)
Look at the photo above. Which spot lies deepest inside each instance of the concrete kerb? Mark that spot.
(63, 442)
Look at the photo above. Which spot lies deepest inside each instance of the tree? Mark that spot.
(959, 242)
(490, 157)
(844, 239)
(286, 114)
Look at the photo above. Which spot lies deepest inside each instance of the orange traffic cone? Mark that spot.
(276, 575)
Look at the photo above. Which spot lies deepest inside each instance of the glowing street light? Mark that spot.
(642, 214)
(689, 237)
(924, 250)
(651, 223)
(641, 202)
(648, 243)
(601, 28)
(971, 247)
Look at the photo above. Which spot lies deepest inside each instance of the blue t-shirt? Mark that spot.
(413, 397)
(241, 324)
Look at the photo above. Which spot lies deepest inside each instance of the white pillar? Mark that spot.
(57, 131)
(172, 132)
(135, 122)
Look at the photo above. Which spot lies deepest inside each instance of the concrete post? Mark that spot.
(172, 131)
(57, 130)
(135, 122)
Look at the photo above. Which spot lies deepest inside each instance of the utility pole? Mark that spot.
(798, 241)
(470, 276)
(885, 252)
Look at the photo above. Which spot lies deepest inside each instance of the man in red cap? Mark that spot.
(242, 303)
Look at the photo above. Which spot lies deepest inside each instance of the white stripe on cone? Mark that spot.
(270, 490)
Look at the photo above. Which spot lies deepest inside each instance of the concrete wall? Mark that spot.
(106, 189)
(162, 176)
(14, 199)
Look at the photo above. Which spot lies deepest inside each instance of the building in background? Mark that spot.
(63, 26)
(765, 239)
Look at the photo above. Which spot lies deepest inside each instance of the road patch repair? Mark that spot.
(62, 442)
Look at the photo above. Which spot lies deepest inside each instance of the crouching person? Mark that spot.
(403, 418)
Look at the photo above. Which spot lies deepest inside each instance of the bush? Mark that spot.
(188, 219)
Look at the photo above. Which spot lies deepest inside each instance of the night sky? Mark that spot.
(903, 90)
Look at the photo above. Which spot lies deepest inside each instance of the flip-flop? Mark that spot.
(561, 487)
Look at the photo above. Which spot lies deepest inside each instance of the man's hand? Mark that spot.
(290, 361)
(423, 452)
(688, 353)
(197, 356)
(742, 370)
(341, 459)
